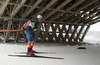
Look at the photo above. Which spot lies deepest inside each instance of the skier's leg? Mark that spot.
(28, 35)
(33, 42)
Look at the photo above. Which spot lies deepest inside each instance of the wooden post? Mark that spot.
(12, 15)
(64, 29)
(73, 34)
(7, 33)
(46, 31)
(38, 31)
(68, 31)
(85, 33)
(18, 33)
(80, 32)
(54, 32)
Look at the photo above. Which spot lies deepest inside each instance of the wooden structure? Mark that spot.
(63, 20)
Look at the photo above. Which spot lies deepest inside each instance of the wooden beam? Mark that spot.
(68, 9)
(84, 21)
(30, 3)
(59, 7)
(93, 21)
(32, 8)
(45, 21)
(48, 11)
(39, 7)
(17, 8)
(2, 9)
(85, 33)
(47, 6)
(82, 7)
(88, 9)
(85, 16)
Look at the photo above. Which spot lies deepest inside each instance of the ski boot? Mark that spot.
(29, 53)
(33, 51)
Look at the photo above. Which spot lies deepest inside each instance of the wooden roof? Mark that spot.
(63, 11)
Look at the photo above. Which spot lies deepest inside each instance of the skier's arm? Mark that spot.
(25, 25)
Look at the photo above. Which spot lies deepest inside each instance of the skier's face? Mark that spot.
(39, 19)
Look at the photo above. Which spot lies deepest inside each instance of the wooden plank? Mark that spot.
(85, 33)
(68, 9)
(47, 6)
(32, 8)
(59, 7)
(2, 9)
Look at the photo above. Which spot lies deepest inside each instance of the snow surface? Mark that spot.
(71, 55)
(93, 37)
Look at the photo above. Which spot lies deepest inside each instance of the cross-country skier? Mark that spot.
(27, 27)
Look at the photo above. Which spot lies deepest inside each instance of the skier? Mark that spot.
(27, 27)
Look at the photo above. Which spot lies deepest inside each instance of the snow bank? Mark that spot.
(93, 37)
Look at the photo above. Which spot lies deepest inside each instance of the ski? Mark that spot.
(35, 56)
(36, 52)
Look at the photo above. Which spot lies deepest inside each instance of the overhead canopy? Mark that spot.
(63, 11)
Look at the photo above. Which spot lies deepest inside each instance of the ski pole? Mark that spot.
(10, 30)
